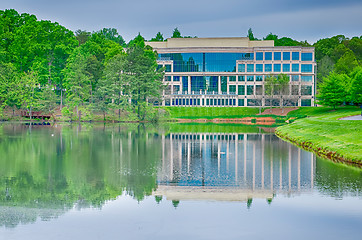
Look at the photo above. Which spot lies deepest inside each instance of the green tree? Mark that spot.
(77, 82)
(277, 86)
(251, 35)
(355, 90)
(158, 38)
(332, 92)
(112, 34)
(325, 67)
(346, 63)
(176, 33)
(47, 100)
(82, 36)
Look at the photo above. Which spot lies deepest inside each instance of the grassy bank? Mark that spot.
(324, 134)
(211, 112)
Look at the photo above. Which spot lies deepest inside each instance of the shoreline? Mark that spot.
(320, 152)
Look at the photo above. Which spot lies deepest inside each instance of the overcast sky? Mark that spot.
(302, 20)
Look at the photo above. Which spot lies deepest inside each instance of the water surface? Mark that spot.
(178, 181)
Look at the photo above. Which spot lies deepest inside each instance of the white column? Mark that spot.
(189, 84)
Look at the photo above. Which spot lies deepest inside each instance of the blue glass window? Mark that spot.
(286, 56)
(241, 90)
(306, 68)
(185, 84)
(232, 78)
(241, 68)
(268, 56)
(250, 78)
(250, 90)
(213, 83)
(258, 78)
(259, 56)
(295, 77)
(307, 56)
(176, 78)
(240, 102)
(277, 67)
(277, 56)
(250, 67)
(205, 62)
(295, 67)
(307, 78)
(286, 67)
(167, 78)
(232, 89)
(258, 67)
(198, 83)
(268, 67)
(168, 68)
(306, 102)
(295, 56)
(241, 78)
(224, 84)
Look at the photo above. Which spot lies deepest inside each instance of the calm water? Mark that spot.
(170, 182)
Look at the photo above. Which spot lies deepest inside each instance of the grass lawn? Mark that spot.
(324, 133)
(211, 112)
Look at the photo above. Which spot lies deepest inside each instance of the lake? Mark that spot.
(175, 181)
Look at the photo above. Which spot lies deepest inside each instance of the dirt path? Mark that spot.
(279, 111)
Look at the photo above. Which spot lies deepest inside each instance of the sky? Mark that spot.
(301, 20)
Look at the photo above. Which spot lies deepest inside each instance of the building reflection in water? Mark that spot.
(232, 167)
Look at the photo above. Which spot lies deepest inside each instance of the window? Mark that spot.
(307, 68)
(250, 68)
(241, 90)
(295, 67)
(232, 89)
(295, 77)
(295, 56)
(168, 68)
(159, 67)
(259, 78)
(268, 67)
(224, 83)
(232, 78)
(241, 68)
(268, 56)
(258, 67)
(250, 90)
(277, 56)
(250, 78)
(286, 56)
(295, 89)
(176, 78)
(258, 90)
(306, 102)
(241, 102)
(307, 56)
(307, 78)
(185, 84)
(306, 90)
(259, 56)
(176, 88)
(286, 67)
(241, 78)
(167, 78)
(254, 102)
(277, 67)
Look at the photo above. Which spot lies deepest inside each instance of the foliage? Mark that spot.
(332, 92)
(251, 35)
(355, 89)
(158, 38)
(176, 33)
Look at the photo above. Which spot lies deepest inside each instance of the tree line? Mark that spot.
(46, 67)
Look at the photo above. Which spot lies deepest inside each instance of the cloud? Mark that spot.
(308, 19)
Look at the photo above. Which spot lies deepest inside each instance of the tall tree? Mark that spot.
(112, 34)
(355, 90)
(176, 33)
(158, 38)
(82, 36)
(251, 35)
(332, 92)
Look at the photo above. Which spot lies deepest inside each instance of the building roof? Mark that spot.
(235, 42)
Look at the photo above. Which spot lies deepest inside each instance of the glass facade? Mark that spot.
(268, 56)
(241, 81)
(205, 62)
(286, 56)
(307, 56)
